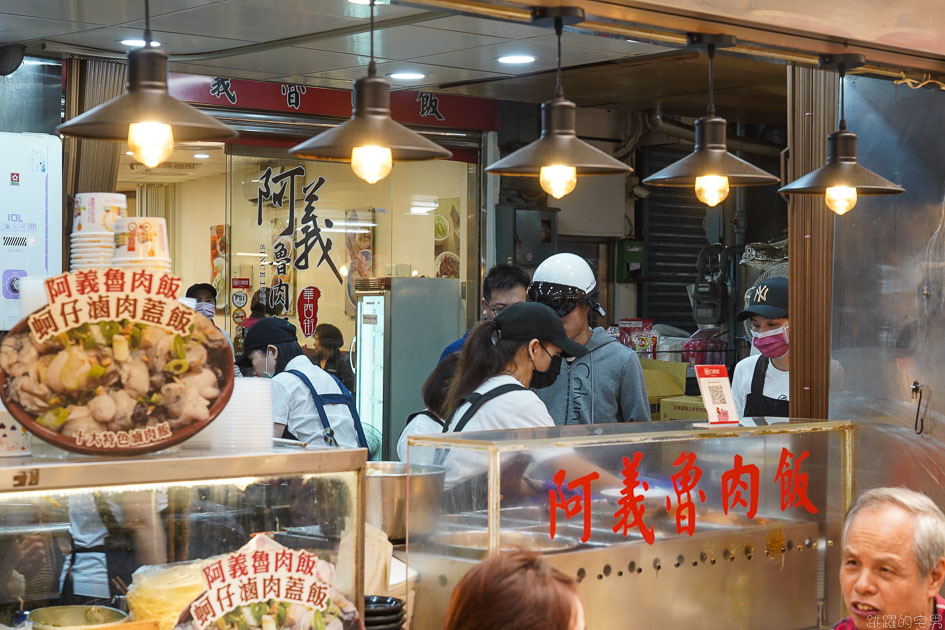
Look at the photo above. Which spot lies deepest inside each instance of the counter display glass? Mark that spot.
(704, 528)
(79, 530)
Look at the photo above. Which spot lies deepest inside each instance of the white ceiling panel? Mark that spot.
(315, 81)
(334, 8)
(405, 42)
(288, 61)
(230, 73)
(436, 75)
(15, 28)
(110, 37)
(102, 12)
(486, 58)
(482, 26)
(249, 22)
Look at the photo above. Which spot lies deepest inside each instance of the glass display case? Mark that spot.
(78, 530)
(700, 528)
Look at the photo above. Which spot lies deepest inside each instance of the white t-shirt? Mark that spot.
(513, 410)
(777, 383)
(292, 405)
(423, 424)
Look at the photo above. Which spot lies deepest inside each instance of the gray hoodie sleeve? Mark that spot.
(634, 403)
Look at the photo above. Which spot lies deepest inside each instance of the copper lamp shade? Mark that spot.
(370, 125)
(842, 169)
(146, 99)
(558, 145)
(710, 157)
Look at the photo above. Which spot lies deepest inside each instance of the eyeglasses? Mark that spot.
(498, 308)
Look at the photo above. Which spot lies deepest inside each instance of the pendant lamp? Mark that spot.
(559, 156)
(710, 169)
(841, 180)
(370, 139)
(149, 118)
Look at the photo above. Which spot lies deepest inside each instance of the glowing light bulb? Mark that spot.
(343, 270)
(150, 142)
(840, 199)
(712, 189)
(371, 163)
(558, 179)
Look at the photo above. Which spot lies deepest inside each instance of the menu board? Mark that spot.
(115, 364)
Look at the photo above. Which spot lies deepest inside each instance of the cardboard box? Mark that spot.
(664, 379)
(683, 408)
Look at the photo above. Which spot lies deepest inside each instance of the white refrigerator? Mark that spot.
(30, 214)
(402, 326)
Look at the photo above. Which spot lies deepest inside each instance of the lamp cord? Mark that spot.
(710, 108)
(843, 122)
(372, 67)
(147, 24)
(559, 28)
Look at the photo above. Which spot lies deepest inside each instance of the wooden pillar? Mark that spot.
(812, 114)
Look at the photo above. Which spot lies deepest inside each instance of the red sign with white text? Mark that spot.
(307, 306)
(240, 283)
(407, 106)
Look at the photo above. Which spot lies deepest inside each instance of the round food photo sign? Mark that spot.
(114, 364)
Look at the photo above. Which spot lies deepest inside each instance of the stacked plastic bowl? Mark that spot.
(245, 423)
(383, 613)
(141, 243)
(92, 241)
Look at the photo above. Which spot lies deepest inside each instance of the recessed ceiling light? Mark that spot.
(128, 153)
(202, 156)
(516, 59)
(407, 76)
(138, 43)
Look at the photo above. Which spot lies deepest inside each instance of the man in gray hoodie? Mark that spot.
(607, 384)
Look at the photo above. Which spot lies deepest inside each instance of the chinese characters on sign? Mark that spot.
(259, 572)
(94, 295)
(311, 232)
(307, 306)
(739, 491)
(293, 94)
(429, 105)
(220, 86)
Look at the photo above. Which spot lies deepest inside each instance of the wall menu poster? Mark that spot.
(446, 221)
(359, 252)
(218, 253)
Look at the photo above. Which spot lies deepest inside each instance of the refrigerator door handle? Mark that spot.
(352, 354)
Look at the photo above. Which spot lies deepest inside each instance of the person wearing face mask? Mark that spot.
(308, 403)
(521, 348)
(761, 383)
(206, 298)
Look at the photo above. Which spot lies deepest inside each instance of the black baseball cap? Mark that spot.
(200, 286)
(768, 299)
(266, 331)
(525, 321)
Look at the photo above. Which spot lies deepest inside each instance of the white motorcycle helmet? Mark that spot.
(562, 282)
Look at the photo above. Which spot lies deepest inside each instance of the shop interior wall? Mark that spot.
(200, 204)
(888, 326)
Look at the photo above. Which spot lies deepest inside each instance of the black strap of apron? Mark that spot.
(429, 415)
(758, 377)
(320, 400)
(478, 400)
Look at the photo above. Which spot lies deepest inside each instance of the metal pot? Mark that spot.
(67, 617)
(387, 487)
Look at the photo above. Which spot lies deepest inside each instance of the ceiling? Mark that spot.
(457, 53)
(182, 166)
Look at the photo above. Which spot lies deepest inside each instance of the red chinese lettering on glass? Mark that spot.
(793, 481)
(685, 481)
(577, 502)
(741, 477)
(632, 508)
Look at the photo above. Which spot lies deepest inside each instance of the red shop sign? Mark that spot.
(407, 106)
(240, 283)
(307, 306)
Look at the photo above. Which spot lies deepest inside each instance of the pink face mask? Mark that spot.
(772, 343)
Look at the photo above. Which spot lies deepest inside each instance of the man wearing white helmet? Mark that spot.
(607, 384)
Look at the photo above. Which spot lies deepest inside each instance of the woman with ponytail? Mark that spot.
(520, 349)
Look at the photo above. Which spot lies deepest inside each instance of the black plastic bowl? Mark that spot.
(373, 621)
(379, 606)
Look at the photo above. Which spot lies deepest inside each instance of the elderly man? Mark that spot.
(893, 561)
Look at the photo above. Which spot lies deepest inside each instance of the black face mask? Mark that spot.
(540, 379)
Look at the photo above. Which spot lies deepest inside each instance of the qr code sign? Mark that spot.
(717, 394)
